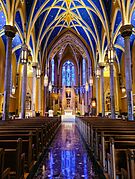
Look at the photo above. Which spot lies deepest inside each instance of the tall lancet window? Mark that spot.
(68, 74)
(84, 71)
(52, 62)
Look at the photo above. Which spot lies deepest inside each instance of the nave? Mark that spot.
(66, 157)
(44, 147)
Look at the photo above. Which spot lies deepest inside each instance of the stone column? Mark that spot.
(34, 66)
(97, 88)
(126, 32)
(58, 98)
(58, 81)
(10, 32)
(45, 100)
(79, 86)
(86, 101)
(112, 91)
(39, 94)
(102, 65)
(82, 106)
(24, 87)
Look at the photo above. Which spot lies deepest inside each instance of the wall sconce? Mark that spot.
(50, 86)
(98, 72)
(111, 54)
(13, 89)
(93, 103)
(24, 54)
(91, 81)
(29, 57)
(123, 89)
(86, 86)
(38, 72)
(45, 80)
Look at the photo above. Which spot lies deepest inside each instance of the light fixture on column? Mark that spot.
(86, 86)
(98, 72)
(29, 57)
(123, 89)
(13, 89)
(50, 86)
(91, 81)
(111, 54)
(24, 54)
(38, 72)
(45, 80)
(93, 103)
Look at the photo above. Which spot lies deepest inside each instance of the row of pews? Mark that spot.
(112, 143)
(23, 142)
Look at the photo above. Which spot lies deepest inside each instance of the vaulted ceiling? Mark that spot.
(94, 22)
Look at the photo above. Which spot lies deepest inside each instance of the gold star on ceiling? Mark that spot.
(68, 15)
(68, 2)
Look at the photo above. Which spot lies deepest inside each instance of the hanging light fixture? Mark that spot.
(45, 80)
(111, 54)
(29, 57)
(123, 89)
(13, 89)
(91, 81)
(50, 86)
(38, 72)
(24, 54)
(86, 86)
(98, 72)
(93, 103)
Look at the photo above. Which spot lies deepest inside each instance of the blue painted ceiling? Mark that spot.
(86, 18)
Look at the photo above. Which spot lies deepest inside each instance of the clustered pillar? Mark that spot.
(24, 88)
(39, 94)
(126, 32)
(34, 66)
(10, 32)
(97, 86)
(112, 91)
(102, 65)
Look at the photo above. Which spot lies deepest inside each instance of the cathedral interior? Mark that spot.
(67, 90)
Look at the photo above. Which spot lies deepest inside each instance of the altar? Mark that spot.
(68, 116)
(68, 112)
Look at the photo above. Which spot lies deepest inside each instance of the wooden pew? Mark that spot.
(36, 135)
(3, 173)
(96, 133)
(13, 157)
(29, 144)
(122, 160)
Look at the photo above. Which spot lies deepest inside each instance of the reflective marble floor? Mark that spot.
(67, 157)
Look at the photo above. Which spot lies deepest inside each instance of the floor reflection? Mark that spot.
(67, 157)
(68, 163)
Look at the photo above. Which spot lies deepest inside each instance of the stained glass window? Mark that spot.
(84, 71)
(52, 62)
(68, 74)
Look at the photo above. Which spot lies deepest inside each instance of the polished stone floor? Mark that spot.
(67, 157)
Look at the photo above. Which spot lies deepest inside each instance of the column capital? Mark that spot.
(10, 31)
(126, 30)
(101, 64)
(34, 65)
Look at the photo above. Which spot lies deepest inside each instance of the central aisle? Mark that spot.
(67, 157)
